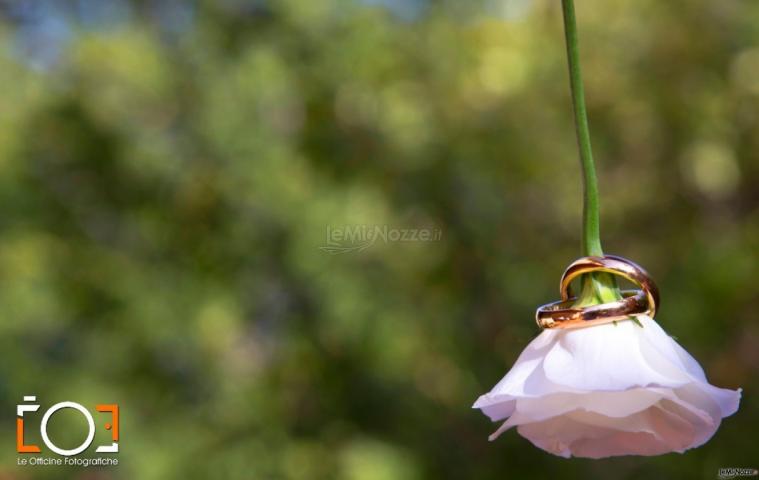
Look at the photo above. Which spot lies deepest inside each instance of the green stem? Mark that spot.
(596, 288)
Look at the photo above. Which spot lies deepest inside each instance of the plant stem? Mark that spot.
(596, 288)
(591, 236)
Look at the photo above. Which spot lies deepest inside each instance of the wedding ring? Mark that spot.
(615, 265)
(562, 315)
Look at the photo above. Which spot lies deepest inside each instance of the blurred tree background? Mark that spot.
(169, 169)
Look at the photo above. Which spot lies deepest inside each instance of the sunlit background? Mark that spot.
(170, 169)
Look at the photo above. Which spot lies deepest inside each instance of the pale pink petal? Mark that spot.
(606, 357)
(653, 431)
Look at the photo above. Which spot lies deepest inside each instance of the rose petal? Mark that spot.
(656, 430)
(607, 357)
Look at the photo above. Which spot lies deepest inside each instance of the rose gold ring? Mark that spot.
(562, 315)
(614, 265)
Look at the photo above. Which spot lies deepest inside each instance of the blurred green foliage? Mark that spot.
(168, 171)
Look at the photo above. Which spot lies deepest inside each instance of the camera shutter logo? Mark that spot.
(24, 408)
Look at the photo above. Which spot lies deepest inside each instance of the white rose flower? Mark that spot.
(608, 390)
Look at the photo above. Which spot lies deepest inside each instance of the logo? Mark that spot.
(357, 238)
(29, 411)
(734, 472)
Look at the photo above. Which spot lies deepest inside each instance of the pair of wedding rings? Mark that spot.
(563, 315)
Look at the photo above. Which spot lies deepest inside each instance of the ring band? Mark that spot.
(562, 315)
(617, 266)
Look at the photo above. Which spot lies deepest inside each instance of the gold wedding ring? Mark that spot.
(563, 315)
(611, 264)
